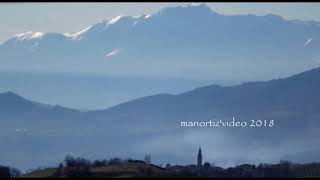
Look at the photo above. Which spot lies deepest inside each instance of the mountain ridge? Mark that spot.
(301, 77)
(203, 46)
(200, 8)
(145, 124)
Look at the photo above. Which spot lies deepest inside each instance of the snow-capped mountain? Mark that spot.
(195, 38)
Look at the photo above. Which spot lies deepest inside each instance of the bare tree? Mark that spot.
(147, 159)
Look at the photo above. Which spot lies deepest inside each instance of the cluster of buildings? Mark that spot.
(282, 169)
(206, 169)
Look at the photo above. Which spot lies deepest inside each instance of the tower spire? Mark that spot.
(199, 157)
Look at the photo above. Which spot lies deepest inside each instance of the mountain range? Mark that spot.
(205, 44)
(36, 133)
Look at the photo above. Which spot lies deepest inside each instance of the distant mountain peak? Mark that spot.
(8, 93)
(274, 17)
(190, 9)
(10, 96)
(197, 4)
(201, 6)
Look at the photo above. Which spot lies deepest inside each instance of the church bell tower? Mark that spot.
(199, 158)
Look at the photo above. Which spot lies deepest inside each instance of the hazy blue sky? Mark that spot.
(70, 17)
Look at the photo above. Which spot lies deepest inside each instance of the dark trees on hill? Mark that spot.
(4, 172)
(99, 163)
(75, 167)
(7, 172)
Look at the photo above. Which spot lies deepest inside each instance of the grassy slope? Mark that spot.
(120, 170)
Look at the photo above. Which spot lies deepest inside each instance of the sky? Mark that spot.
(72, 17)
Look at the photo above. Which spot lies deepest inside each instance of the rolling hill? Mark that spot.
(146, 124)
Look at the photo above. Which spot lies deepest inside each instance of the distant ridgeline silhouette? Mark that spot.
(172, 37)
(293, 102)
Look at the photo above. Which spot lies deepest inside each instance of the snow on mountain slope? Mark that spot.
(195, 38)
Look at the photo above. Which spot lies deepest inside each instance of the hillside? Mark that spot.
(145, 124)
(127, 169)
